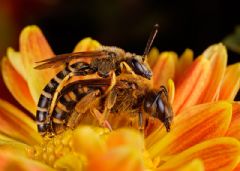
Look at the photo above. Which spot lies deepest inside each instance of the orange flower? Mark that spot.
(204, 135)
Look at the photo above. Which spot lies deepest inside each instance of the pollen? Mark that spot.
(51, 150)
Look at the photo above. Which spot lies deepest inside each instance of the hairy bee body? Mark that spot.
(123, 85)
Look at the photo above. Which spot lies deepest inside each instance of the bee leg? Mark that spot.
(82, 107)
(140, 122)
(108, 104)
(98, 116)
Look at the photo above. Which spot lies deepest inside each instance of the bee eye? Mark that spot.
(160, 105)
(140, 69)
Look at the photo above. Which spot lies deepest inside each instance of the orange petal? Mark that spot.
(234, 128)
(171, 90)
(153, 57)
(192, 126)
(34, 47)
(237, 168)
(90, 148)
(87, 44)
(127, 137)
(12, 162)
(69, 162)
(183, 63)
(164, 68)
(15, 59)
(118, 159)
(217, 55)
(231, 82)
(17, 86)
(216, 154)
(17, 124)
(14, 147)
(192, 84)
(195, 165)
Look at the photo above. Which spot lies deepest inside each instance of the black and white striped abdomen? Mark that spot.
(45, 100)
(50, 92)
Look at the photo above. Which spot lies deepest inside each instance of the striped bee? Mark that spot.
(59, 99)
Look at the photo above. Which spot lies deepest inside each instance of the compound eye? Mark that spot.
(140, 69)
(160, 106)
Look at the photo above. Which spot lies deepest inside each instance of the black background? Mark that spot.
(127, 23)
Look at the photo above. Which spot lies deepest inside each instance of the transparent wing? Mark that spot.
(64, 58)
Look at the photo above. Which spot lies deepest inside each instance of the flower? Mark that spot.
(204, 134)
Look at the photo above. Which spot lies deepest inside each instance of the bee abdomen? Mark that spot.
(65, 105)
(45, 100)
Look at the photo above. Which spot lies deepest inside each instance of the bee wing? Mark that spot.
(64, 58)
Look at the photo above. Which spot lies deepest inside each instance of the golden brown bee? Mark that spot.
(62, 104)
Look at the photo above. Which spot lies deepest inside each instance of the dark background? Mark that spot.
(127, 23)
(124, 23)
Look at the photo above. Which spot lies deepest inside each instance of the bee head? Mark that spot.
(157, 105)
(140, 67)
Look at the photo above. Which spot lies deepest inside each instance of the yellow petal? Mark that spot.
(69, 162)
(12, 161)
(192, 126)
(171, 90)
(87, 44)
(164, 69)
(34, 47)
(127, 137)
(15, 59)
(13, 147)
(192, 84)
(153, 57)
(183, 63)
(17, 86)
(118, 159)
(17, 124)
(217, 55)
(217, 154)
(234, 128)
(231, 82)
(195, 165)
(92, 147)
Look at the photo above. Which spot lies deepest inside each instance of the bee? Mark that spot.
(62, 103)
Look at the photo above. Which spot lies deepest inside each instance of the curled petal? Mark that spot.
(15, 59)
(118, 159)
(192, 126)
(17, 124)
(153, 57)
(195, 165)
(216, 154)
(34, 47)
(12, 161)
(164, 69)
(231, 82)
(87, 44)
(192, 84)
(217, 55)
(17, 86)
(183, 63)
(234, 128)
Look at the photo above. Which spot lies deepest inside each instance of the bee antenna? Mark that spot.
(150, 40)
